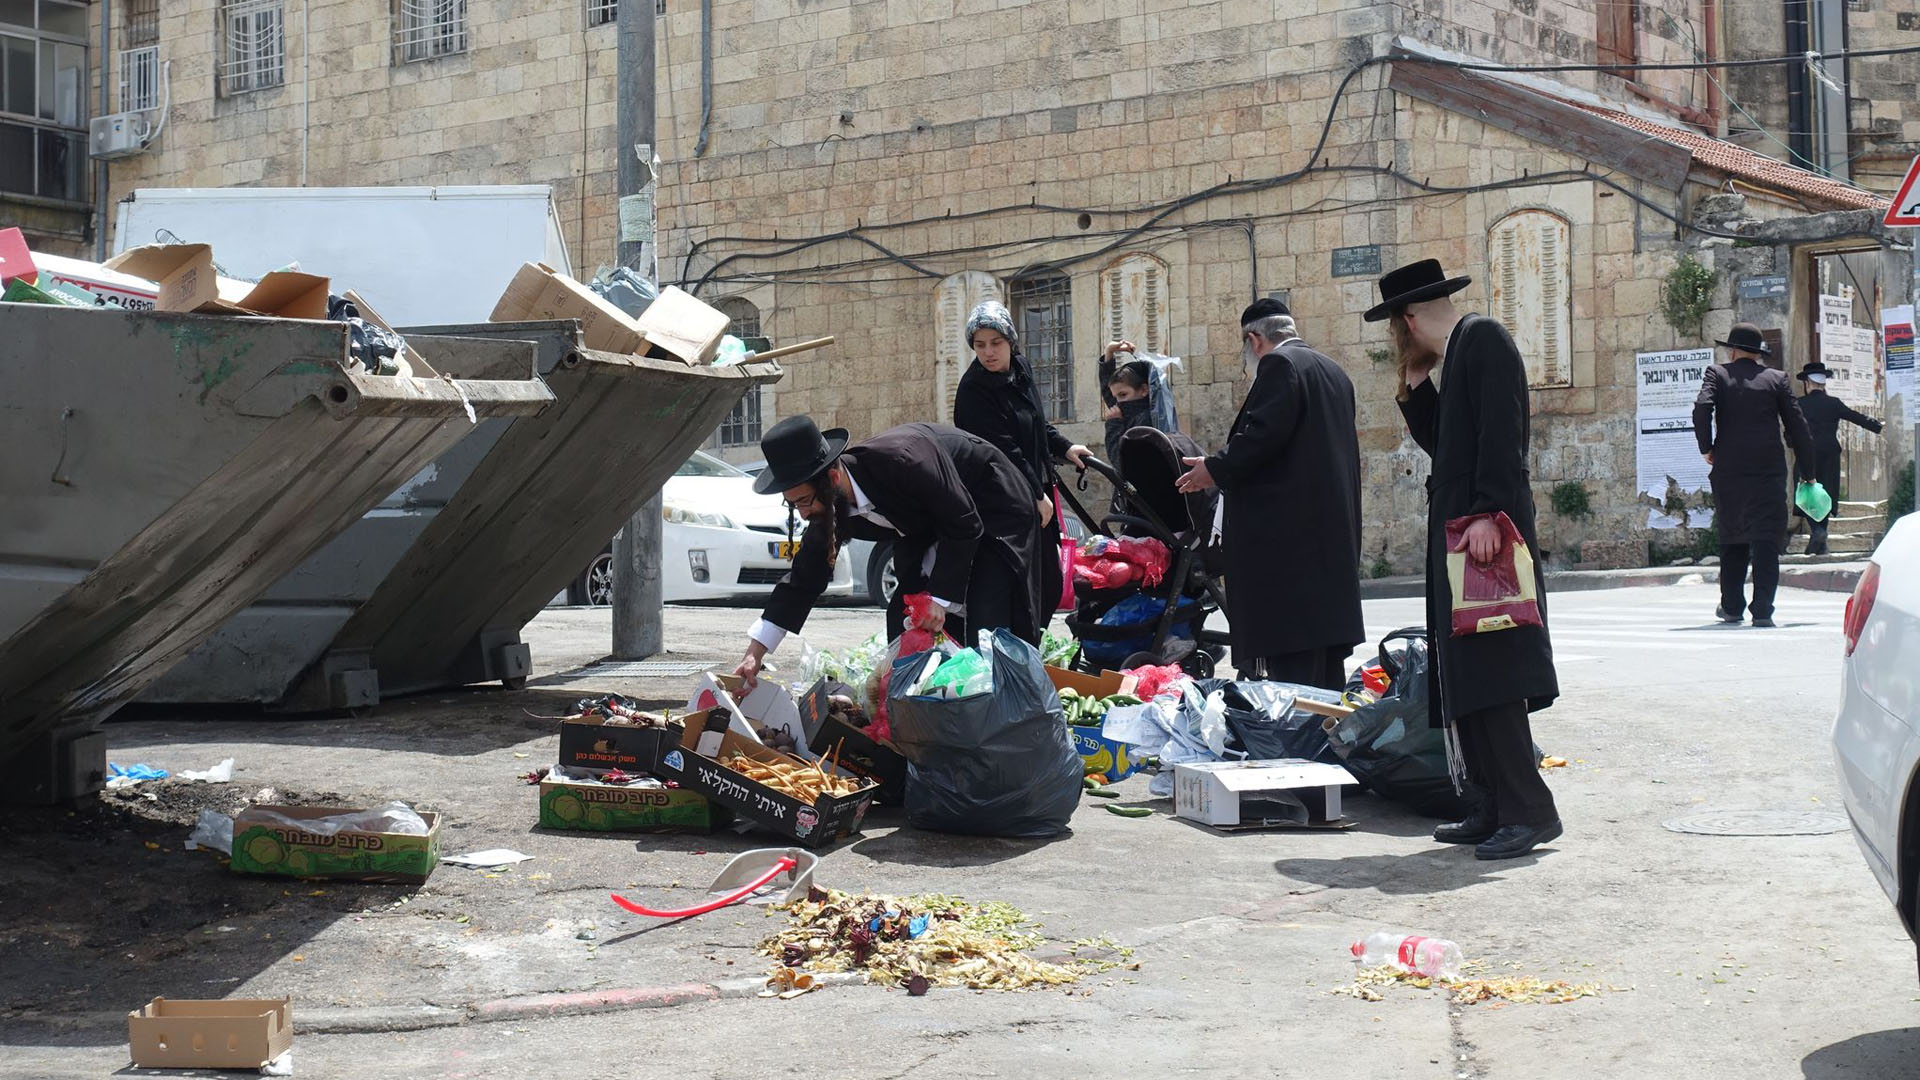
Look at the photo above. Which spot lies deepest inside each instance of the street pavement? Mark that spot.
(1723, 956)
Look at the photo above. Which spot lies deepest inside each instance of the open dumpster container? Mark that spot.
(432, 588)
(160, 473)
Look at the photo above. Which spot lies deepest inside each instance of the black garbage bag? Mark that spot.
(1390, 747)
(1265, 723)
(993, 764)
(378, 349)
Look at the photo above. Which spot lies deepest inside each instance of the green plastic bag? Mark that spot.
(1813, 500)
(958, 672)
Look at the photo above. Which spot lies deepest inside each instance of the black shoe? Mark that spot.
(1720, 612)
(1513, 841)
(1763, 622)
(1475, 830)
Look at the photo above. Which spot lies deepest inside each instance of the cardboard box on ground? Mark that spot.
(594, 807)
(264, 846)
(696, 766)
(1100, 754)
(235, 1034)
(676, 323)
(851, 749)
(1239, 795)
(590, 742)
(768, 705)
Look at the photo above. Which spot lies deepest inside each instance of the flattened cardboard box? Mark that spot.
(236, 1034)
(852, 749)
(1098, 754)
(565, 804)
(591, 743)
(539, 291)
(187, 281)
(260, 847)
(682, 324)
(830, 818)
(768, 704)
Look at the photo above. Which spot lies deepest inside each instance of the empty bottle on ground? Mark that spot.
(1435, 958)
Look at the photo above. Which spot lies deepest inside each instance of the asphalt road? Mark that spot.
(1726, 956)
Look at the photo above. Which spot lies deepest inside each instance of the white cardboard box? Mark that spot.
(1259, 794)
(769, 705)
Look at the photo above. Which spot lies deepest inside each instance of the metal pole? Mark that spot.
(100, 175)
(636, 551)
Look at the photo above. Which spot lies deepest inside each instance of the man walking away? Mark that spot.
(1290, 474)
(1824, 413)
(1742, 408)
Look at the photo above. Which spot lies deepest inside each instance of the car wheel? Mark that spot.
(595, 587)
(882, 582)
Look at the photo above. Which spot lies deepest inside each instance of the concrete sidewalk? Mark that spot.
(1796, 572)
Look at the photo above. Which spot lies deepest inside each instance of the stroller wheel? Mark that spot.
(1199, 665)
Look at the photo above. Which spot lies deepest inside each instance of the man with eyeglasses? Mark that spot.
(964, 527)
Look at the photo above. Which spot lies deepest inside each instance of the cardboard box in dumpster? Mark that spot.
(1278, 794)
(539, 291)
(680, 323)
(15, 260)
(767, 705)
(263, 847)
(827, 820)
(1098, 753)
(572, 804)
(853, 750)
(188, 282)
(589, 742)
(124, 291)
(236, 1034)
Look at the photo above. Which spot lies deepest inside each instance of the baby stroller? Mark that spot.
(1135, 624)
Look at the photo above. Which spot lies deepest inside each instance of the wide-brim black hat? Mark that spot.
(1747, 338)
(1412, 283)
(1816, 368)
(797, 451)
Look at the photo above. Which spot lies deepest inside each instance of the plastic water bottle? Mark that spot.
(1436, 958)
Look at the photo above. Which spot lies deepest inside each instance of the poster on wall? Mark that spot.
(1666, 385)
(1896, 323)
(1862, 387)
(1836, 342)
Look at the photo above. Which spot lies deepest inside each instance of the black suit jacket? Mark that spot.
(944, 491)
(1738, 417)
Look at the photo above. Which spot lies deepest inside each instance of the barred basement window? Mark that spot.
(743, 425)
(426, 29)
(1043, 315)
(140, 79)
(1133, 301)
(602, 12)
(953, 299)
(253, 52)
(1529, 256)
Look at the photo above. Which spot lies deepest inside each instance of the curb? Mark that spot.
(541, 1006)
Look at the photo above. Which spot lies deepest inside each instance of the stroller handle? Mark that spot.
(1090, 462)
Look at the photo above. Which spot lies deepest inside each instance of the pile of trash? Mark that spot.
(913, 942)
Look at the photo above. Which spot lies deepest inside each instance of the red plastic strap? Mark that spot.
(782, 866)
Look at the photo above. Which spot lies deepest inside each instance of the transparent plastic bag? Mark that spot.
(393, 817)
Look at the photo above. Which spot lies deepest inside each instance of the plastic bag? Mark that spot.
(1151, 681)
(1265, 724)
(1390, 746)
(1812, 499)
(962, 675)
(996, 764)
(1171, 728)
(213, 830)
(393, 817)
(380, 351)
(1057, 651)
(1138, 614)
(1112, 563)
(625, 289)
(732, 351)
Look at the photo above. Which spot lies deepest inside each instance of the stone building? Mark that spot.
(1111, 168)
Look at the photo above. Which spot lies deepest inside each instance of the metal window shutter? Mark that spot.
(1532, 287)
(1133, 301)
(953, 299)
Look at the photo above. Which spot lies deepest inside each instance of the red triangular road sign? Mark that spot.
(1905, 209)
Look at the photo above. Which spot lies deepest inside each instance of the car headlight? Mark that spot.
(682, 516)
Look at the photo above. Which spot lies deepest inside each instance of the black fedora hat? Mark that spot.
(797, 451)
(1412, 283)
(1817, 367)
(1745, 337)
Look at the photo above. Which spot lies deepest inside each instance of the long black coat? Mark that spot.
(1290, 473)
(1005, 409)
(1824, 412)
(1475, 426)
(1738, 417)
(944, 491)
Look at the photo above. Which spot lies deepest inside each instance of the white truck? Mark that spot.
(420, 255)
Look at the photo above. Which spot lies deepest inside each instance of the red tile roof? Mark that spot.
(1738, 161)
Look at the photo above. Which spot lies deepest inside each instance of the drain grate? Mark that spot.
(1759, 823)
(641, 669)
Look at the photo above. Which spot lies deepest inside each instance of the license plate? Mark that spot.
(786, 549)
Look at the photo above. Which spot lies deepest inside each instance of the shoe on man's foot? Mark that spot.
(1513, 841)
(1764, 623)
(1720, 612)
(1476, 829)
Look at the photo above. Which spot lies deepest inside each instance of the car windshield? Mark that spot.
(702, 464)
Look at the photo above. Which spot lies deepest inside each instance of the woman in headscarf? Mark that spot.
(998, 401)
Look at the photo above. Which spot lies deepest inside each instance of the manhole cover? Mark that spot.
(642, 669)
(1760, 823)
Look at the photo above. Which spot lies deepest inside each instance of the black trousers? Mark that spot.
(1498, 746)
(1764, 558)
(1325, 667)
(1817, 538)
(997, 599)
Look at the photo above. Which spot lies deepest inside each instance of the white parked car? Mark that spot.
(1876, 737)
(720, 541)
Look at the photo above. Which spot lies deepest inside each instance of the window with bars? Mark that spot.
(253, 54)
(426, 29)
(142, 25)
(602, 12)
(1529, 254)
(743, 426)
(1043, 314)
(140, 79)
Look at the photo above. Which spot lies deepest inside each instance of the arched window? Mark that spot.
(743, 425)
(1043, 315)
(1133, 301)
(953, 299)
(1530, 262)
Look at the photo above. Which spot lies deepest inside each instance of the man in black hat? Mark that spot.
(960, 514)
(1290, 474)
(1742, 408)
(1475, 426)
(1824, 413)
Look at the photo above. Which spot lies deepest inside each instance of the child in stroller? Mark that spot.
(1165, 622)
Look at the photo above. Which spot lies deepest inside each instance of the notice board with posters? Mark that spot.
(1897, 324)
(1666, 384)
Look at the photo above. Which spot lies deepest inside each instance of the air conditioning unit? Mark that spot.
(117, 136)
